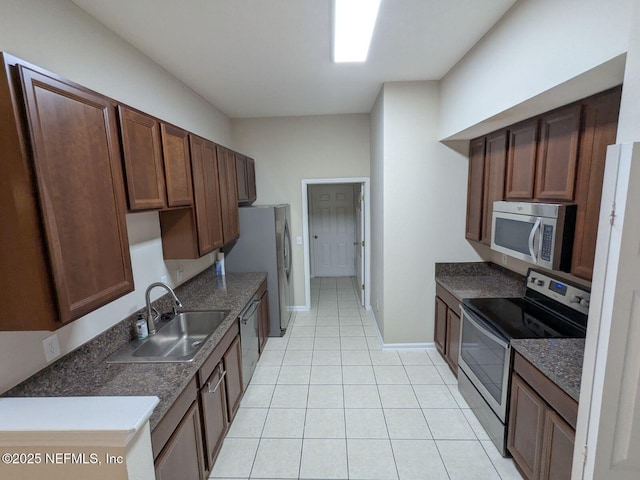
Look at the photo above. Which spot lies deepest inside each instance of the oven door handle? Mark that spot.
(485, 330)
(532, 237)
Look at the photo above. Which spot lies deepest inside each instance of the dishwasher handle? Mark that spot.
(249, 310)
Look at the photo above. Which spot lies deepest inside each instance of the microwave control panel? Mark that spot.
(547, 242)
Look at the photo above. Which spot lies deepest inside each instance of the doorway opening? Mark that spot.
(336, 231)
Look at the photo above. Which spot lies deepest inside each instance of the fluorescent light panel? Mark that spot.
(353, 23)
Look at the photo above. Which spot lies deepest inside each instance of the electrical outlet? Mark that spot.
(299, 240)
(179, 274)
(163, 279)
(504, 259)
(51, 347)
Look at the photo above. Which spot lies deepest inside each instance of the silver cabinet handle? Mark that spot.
(215, 389)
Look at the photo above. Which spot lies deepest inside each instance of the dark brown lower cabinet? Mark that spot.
(557, 451)
(446, 330)
(181, 457)
(453, 340)
(526, 426)
(214, 414)
(233, 380)
(542, 422)
(440, 326)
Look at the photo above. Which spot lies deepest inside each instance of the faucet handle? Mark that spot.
(154, 314)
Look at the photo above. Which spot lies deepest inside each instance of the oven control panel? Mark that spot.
(569, 294)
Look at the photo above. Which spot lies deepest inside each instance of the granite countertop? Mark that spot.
(84, 372)
(476, 280)
(560, 359)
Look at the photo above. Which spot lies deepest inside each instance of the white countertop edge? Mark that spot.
(71, 421)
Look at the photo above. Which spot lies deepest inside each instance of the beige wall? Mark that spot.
(56, 35)
(629, 121)
(290, 149)
(377, 211)
(424, 207)
(538, 47)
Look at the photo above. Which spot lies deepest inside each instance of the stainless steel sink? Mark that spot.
(176, 340)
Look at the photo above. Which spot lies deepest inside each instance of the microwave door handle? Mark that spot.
(532, 237)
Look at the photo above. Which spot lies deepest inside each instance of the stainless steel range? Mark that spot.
(551, 308)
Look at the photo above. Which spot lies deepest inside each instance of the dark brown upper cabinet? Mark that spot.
(521, 160)
(599, 129)
(495, 164)
(64, 243)
(206, 187)
(241, 175)
(474, 189)
(228, 194)
(142, 155)
(558, 154)
(177, 165)
(251, 180)
(246, 177)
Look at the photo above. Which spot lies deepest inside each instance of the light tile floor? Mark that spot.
(325, 402)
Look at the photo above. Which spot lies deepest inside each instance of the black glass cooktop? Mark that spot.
(522, 318)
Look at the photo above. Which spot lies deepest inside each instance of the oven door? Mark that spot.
(485, 358)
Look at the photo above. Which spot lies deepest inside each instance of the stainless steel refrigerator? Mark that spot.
(265, 246)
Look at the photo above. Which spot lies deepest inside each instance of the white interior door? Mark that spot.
(358, 203)
(609, 414)
(332, 230)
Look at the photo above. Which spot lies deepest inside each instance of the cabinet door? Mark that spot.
(241, 174)
(474, 189)
(440, 327)
(76, 156)
(214, 414)
(558, 154)
(521, 160)
(453, 340)
(251, 180)
(264, 323)
(228, 194)
(600, 125)
(182, 456)
(177, 165)
(495, 165)
(142, 153)
(557, 448)
(206, 193)
(233, 379)
(526, 424)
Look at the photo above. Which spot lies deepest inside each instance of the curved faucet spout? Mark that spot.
(151, 324)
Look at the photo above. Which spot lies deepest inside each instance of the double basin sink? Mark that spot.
(176, 340)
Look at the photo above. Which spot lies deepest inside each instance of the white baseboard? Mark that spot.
(398, 346)
(300, 308)
(408, 346)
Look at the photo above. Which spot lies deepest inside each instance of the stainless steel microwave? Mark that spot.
(538, 233)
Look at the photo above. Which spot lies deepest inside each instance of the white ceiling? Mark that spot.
(264, 58)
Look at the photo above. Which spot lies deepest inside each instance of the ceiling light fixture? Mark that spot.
(353, 23)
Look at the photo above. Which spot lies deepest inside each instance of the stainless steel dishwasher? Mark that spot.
(249, 338)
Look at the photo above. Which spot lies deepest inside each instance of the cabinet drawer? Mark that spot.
(212, 362)
(163, 431)
(447, 297)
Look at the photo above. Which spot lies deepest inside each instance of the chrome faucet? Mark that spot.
(151, 324)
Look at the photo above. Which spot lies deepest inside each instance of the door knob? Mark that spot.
(315, 236)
